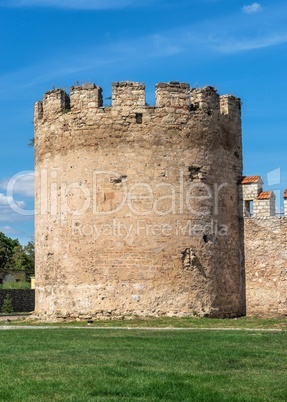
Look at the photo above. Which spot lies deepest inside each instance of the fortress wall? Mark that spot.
(265, 243)
(137, 206)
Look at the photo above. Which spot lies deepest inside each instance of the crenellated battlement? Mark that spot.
(178, 110)
(172, 97)
(230, 106)
(173, 94)
(128, 93)
(205, 98)
(55, 101)
(256, 202)
(86, 96)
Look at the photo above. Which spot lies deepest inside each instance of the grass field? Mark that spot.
(163, 322)
(66, 364)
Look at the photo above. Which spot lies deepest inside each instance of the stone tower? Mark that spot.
(137, 206)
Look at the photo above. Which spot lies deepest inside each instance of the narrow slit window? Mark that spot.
(248, 208)
(139, 118)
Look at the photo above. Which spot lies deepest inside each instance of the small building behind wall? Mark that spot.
(264, 204)
(12, 276)
(251, 187)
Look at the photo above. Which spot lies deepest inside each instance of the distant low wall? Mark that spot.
(23, 300)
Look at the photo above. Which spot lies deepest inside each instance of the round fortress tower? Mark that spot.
(137, 207)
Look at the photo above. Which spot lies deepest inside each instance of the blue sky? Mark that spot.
(240, 47)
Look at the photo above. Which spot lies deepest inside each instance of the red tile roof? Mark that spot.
(250, 179)
(285, 193)
(265, 195)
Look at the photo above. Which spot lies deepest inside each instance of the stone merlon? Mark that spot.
(170, 96)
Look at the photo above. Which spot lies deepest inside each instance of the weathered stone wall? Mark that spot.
(251, 191)
(266, 266)
(264, 207)
(23, 300)
(137, 206)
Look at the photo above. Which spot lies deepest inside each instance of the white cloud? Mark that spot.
(21, 184)
(3, 199)
(7, 200)
(70, 4)
(13, 232)
(13, 210)
(7, 215)
(206, 38)
(234, 46)
(252, 8)
(24, 185)
(9, 230)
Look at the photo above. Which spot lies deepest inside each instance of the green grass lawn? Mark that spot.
(163, 322)
(66, 364)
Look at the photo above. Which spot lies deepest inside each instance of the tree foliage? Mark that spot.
(14, 256)
(7, 246)
(7, 306)
(31, 142)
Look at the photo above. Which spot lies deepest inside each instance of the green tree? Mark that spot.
(19, 260)
(14, 256)
(31, 142)
(7, 306)
(29, 251)
(7, 246)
